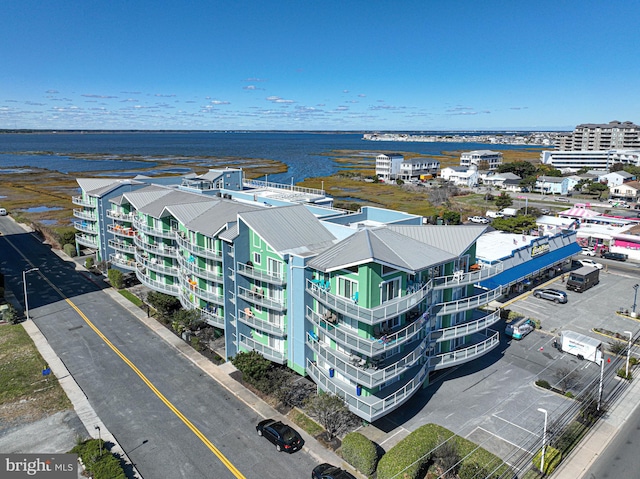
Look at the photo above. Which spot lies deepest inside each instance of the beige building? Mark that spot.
(604, 136)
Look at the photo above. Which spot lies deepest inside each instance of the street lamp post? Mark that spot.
(544, 439)
(99, 439)
(24, 283)
(628, 353)
(635, 297)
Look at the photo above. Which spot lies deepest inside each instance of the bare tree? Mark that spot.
(331, 412)
(447, 458)
(567, 378)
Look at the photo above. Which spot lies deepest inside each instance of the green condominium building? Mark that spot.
(367, 303)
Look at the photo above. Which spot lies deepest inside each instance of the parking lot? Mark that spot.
(494, 402)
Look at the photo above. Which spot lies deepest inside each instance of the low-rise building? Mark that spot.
(419, 168)
(388, 166)
(629, 191)
(552, 185)
(460, 175)
(598, 160)
(483, 159)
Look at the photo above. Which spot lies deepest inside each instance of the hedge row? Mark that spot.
(360, 452)
(411, 455)
(105, 466)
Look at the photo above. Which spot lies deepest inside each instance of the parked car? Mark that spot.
(616, 256)
(590, 262)
(284, 437)
(3, 212)
(479, 219)
(562, 199)
(545, 211)
(588, 252)
(550, 294)
(327, 471)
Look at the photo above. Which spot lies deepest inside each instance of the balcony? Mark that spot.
(157, 265)
(150, 230)
(466, 304)
(122, 246)
(85, 227)
(257, 297)
(466, 354)
(250, 271)
(159, 249)
(248, 318)
(210, 315)
(87, 240)
(371, 346)
(349, 307)
(118, 230)
(205, 295)
(462, 278)
(80, 201)
(122, 262)
(367, 373)
(375, 406)
(465, 329)
(142, 275)
(203, 273)
(84, 215)
(270, 353)
(197, 250)
(119, 216)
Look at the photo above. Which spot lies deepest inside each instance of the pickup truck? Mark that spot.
(494, 214)
(479, 219)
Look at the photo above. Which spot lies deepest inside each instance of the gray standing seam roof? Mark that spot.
(289, 229)
(210, 221)
(454, 239)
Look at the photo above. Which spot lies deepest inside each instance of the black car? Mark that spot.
(284, 437)
(554, 295)
(327, 471)
(616, 256)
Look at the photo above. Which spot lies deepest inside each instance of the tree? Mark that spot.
(447, 458)
(163, 303)
(598, 188)
(186, 320)
(567, 378)
(528, 182)
(115, 278)
(616, 167)
(520, 168)
(252, 365)
(504, 200)
(519, 224)
(331, 412)
(11, 315)
(451, 217)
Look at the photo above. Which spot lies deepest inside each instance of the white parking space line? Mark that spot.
(393, 435)
(503, 439)
(513, 424)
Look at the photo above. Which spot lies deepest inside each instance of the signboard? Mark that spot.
(539, 249)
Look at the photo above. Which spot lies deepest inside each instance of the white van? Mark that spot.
(3, 212)
(519, 328)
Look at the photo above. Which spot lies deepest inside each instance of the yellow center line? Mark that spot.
(228, 464)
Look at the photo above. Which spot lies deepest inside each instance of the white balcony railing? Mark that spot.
(350, 307)
(86, 227)
(87, 240)
(117, 215)
(150, 230)
(122, 246)
(80, 201)
(119, 230)
(369, 346)
(203, 273)
(462, 278)
(84, 214)
(158, 266)
(162, 287)
(159, 249)
(467, 328)
(465, 304)
(466, 354)
(258, 297)
(197, 250)
(122, 262)
(375, 406)
(250, 271)
(269, 353)
(265, 326)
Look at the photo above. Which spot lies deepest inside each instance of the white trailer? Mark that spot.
(581, 346)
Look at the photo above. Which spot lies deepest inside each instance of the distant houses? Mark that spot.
(483, 159)
(393, 166)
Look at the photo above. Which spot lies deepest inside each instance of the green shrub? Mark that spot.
(69, 250)
(115, 278)
(88, 263)
(360, 452)
(552, 458)
(623, 374)
(569, 394)
(513, 315)
(633, 361)
(105, 466)
(253, 365)
(407, 458)
(570, 436)
(543, 384)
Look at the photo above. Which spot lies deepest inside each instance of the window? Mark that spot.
(274, 267)
(347, 288)
(257, 258)
(386, 270)
(256, 240)
(390, 290)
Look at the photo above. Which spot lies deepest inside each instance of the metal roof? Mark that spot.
(454, 239)
(231, 233)
(217, 215)
(100, 186)
(381, 245)
(144, 196)
(289, 229)
(156, 208)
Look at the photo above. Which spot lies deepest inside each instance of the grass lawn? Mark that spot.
(25, 394)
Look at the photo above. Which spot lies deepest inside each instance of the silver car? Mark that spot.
(550, 294)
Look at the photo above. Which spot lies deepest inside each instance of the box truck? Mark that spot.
(581, 346)
(583, 278)
(509, 212)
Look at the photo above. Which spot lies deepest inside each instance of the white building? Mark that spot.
(629, 191)
(616, 178)
(598, 160)
(492, 158)
(460, 176)
(418, 167)
(388, 166)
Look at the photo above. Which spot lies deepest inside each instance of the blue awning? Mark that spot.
(531, 267)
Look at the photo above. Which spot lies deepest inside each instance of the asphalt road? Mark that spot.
(158, 442)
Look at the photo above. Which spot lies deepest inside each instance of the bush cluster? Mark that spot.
(105, 466)
(552, 458)
(69, 250)
(360, 452)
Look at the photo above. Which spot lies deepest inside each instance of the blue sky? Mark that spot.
(318, 65)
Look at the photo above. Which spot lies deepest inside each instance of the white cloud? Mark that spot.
(277, 99)
(91, 95)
